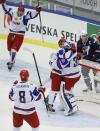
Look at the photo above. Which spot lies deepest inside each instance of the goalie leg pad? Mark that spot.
(68, 101)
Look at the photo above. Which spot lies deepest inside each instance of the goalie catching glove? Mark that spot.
(2, 1)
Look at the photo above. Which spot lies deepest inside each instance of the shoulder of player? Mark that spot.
(92, 40)
(32, 85)
(79, 42)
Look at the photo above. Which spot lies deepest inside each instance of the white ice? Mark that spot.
(87, 117)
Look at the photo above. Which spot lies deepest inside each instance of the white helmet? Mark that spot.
(83, 32)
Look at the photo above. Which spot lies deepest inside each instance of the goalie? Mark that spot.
(65, 68)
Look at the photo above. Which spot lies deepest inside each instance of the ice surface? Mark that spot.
(58, 121)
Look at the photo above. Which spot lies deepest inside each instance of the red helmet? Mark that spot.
(61, 40)
(24, 74)
(21, 8)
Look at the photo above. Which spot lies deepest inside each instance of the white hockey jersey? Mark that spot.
(18, 24)
(65, 63)
(24, 94)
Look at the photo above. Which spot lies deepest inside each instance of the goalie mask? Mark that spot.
(24, 75)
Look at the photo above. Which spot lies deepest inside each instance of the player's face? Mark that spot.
(84, 38)
(61, 45)
(20, 13)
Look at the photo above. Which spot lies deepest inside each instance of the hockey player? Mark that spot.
(23, 93)
(87, 47)
(65, 68)
(97, 59)
(18, 24)
(97, 51)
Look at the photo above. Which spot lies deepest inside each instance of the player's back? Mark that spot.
(24, 95)
(23, 89)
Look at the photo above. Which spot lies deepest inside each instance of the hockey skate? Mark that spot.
(87, 90)
(51, 109)
(10, 65)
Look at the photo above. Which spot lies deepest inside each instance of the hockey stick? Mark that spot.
(90, 64)
(30, 51)
(41, 26)
(44, 82)
(40, 79)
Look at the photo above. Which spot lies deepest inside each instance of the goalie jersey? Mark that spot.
(24, 95)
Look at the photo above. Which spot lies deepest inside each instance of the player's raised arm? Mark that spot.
(33, 14)
(7, 10)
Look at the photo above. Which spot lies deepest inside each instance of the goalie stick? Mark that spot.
(30, 51)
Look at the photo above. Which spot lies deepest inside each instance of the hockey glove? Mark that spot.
(15, 82)
(2, 1)
(94, 57)
(38, 8)
(73, 48)
(79, 56)
(41, 89)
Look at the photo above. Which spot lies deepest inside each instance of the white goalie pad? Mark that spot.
(67, 99)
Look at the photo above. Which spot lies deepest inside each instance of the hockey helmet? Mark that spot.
(21, 8)
(62, 39)
(61, 42)
(83, 33)
(24, 75)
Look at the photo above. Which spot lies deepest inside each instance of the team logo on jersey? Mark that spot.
(16, 19)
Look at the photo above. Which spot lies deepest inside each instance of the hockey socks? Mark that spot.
(13, 55)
